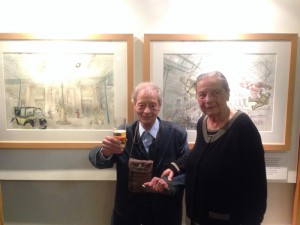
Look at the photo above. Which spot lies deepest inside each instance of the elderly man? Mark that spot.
(168, 142)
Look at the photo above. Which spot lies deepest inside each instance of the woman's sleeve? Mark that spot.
(254, 179)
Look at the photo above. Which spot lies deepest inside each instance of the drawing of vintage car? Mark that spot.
(28, 117)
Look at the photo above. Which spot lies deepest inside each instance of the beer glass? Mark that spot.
(119, 131)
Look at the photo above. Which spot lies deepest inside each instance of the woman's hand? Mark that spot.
(157, 184)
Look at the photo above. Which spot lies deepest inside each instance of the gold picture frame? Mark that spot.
(174, 60)
(63, 91)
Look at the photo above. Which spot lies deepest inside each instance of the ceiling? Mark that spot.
(55, 68)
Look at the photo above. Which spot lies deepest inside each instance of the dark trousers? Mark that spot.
(214, 223)
(136, 220)
(145, 217)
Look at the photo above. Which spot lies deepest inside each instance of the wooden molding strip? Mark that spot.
(296, 205)
(1, 208)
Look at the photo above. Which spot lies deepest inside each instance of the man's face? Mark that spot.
(147, 107)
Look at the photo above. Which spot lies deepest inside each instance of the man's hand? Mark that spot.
(110, 146)
(168, 173)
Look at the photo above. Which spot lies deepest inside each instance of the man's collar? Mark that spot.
(153, 131)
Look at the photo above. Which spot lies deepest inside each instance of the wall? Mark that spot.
(60, 186)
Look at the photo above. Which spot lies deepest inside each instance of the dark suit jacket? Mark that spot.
(169, 145)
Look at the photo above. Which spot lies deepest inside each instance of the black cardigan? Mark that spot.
(225, 174)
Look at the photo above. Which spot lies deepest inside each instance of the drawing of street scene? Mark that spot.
(251, 78)
(59, 91)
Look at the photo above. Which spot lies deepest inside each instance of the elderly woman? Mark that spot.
(225, 172)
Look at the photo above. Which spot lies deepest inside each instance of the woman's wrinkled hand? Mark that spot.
(157, 184)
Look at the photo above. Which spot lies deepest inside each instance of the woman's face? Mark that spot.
(147, 107)
(212, 96)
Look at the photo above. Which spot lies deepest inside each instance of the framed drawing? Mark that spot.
(63, 92)
(260, 69)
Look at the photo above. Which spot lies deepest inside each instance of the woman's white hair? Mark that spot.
(217, 74)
